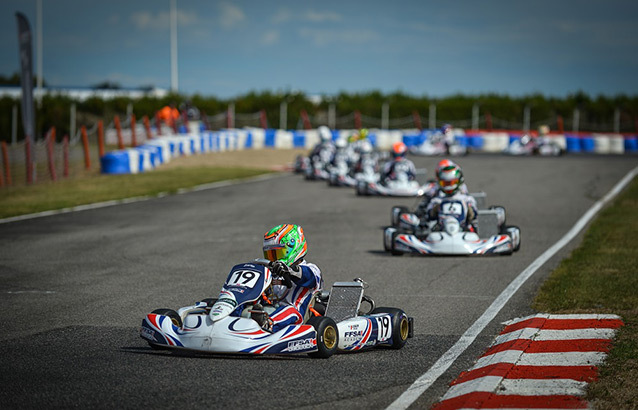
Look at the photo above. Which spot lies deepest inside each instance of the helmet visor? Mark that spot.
(275, 253)
(450, 183)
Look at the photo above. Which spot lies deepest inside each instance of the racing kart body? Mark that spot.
(527, 145)
(450, 235)
(214, 325)
(400, 186)
(341, 175)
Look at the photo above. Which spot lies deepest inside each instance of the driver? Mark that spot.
(451, 186)
(325, 149)
(285, 246)
(398, 164)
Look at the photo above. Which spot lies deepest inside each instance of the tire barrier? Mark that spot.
(160, 150)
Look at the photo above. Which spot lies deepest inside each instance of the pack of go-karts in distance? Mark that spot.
(277, 305)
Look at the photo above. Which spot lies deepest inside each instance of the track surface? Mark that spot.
(76, 286)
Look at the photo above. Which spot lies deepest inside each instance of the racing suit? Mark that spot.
(392, 169)
(466, 214)
(293, 303)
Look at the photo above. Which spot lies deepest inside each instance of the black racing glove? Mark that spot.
(288, 273)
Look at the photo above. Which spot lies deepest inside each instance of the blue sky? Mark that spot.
(228, 48)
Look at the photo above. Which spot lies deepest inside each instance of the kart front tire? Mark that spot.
(327, 336)
(514, 232)
(400, 325)
(173, 315)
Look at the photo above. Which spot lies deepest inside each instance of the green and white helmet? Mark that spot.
(285, 243)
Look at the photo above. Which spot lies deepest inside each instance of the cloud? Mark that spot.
(145, 20)
(270, 38)
(309, 16)
(322, 37)
(231, 15)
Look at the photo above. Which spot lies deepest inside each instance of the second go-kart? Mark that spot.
(451, 236)
(212, 325)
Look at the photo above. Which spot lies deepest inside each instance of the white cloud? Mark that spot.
(145, 20)
(231, 15)
(322, 37)
(270, 38)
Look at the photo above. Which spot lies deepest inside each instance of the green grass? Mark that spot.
(601, 276)
(97, 188)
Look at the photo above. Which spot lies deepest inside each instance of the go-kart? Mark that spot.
(213, 326)
(438, 146)
(342, 176)
(401, 185)
(451, 236)
(527, 145)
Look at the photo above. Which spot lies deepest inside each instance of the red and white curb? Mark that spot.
(541, 361)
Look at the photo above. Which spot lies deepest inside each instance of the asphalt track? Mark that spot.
(76, 286)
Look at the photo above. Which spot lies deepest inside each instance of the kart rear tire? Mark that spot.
(396, 213)
(362, 188)
(173, 315)
(327, 336)
(400, 325)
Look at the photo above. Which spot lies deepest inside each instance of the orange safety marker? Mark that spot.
(50, 146)
(85, 143)
(133, 136)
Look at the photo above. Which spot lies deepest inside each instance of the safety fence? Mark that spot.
(132, 146)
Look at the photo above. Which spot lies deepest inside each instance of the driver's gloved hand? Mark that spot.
(279, 268)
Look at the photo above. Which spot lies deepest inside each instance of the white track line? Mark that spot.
(180, 191)
(429, 377)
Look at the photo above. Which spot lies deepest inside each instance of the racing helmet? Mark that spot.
(363, 133)
(324, 133)
(446, 128)
(399, 149)
(450, 179)
(366, 147)
(443, 164)
(341, 143)
(286, 243)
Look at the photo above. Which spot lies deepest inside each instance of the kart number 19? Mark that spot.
(385, 328)
(243, 278)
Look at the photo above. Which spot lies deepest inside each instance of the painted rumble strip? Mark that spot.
(532, 373)
(444, 362)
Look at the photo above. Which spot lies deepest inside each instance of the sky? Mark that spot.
(418, 47)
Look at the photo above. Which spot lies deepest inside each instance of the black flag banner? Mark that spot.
(26, 79)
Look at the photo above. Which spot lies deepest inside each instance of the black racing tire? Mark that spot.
(327, 336)
(173, 315)
(396, 214)
(393, 251)
(400, 325)
(362, 188)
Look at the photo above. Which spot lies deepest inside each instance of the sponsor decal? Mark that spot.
(353, 334)
(228, 301)
(147, 333)
(304, 344)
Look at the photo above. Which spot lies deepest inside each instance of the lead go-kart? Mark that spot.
(210, 325)
(449, 235)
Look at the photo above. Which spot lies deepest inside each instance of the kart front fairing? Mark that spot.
(222, 330)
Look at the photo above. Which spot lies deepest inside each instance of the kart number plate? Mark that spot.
(384, 327)
(244, 278)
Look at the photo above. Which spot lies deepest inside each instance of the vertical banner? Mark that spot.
(26, 79)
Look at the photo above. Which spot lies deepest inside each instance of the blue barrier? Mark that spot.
(373, 139)
(631, 143)
(411, 140)
(249, 140)
(182, 129)
(475, 141)
(299, 139)
(269, 138)
(462, 140)
(572, 143)
(587, 143)
(155, 153)
(115, 162)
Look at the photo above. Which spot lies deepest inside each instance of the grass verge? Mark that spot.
(601, 276)
(98, 188)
